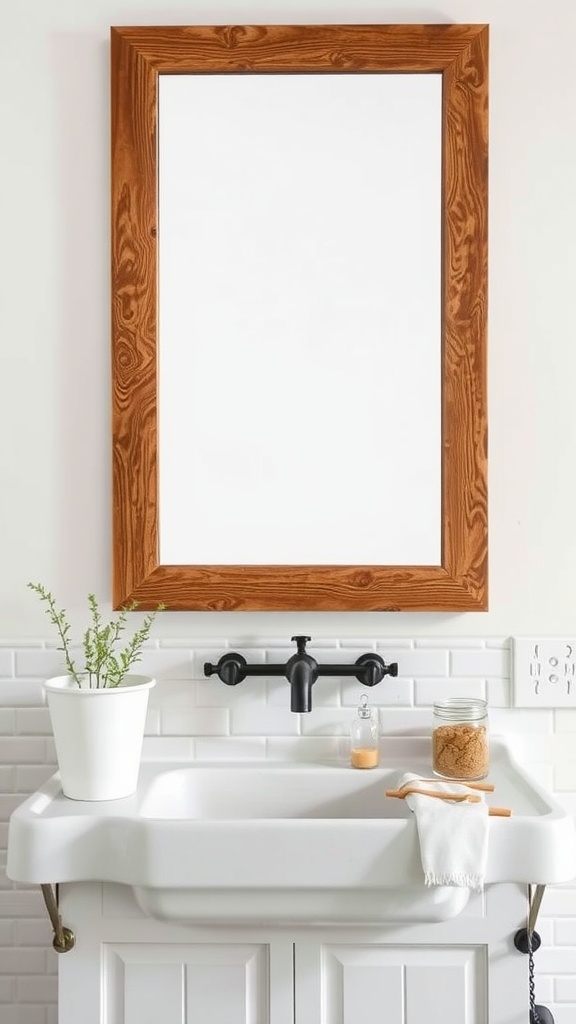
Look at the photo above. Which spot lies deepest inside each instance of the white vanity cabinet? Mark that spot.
(127, 968)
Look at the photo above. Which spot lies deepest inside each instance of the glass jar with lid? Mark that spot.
(460, 746)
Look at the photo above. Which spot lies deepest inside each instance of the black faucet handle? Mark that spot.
(301, 642)
(231, 669)
(371, 669)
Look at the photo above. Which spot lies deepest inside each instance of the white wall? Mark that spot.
(54, 409)
(54, 422)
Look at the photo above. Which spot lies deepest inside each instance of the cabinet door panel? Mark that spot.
(212, 983)
(398, 984)
(151, 993)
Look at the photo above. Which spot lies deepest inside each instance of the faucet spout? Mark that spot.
(301, 673)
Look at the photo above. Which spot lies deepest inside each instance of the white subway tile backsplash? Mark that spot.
(20, 692)
(41, 664)
(564, 990)
(565, 932)
(37, 988)
(545, 990)
(314, 749)
(447, 643)
(18, 903)
(417, 662)
(327, 722)
(24, 1014)
(556, 959)
(480, 663)
(7, 722)
(405, 721)
(213, 693)
(169, 664)
(235, 643)
(390, 692)
(263, 720)
(498, 693)
(173, 692)
(152, 727)
(22, 961)
(7, 986)
(168, 748)
(33, 722)
(368, 644)
(559, 901)
(29, 777)
(6, 663)
(33, 932)
(22, 750)
(426, 691)
(520, 722)
(197, 644)
(195, 722)
(8, 803)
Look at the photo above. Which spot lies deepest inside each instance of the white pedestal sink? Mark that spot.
(282, 842)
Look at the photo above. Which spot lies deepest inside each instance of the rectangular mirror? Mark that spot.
(299, 316)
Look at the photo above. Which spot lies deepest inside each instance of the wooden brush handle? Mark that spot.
(483, 787)
(416, 790)
(494, 812)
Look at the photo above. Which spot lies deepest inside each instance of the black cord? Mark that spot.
(534, 1017)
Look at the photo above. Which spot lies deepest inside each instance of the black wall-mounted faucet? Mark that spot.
(301, 671)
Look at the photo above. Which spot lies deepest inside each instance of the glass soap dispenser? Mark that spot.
(364, 737)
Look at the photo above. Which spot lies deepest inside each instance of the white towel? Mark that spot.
(453, 836)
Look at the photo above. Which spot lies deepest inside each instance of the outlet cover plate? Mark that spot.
(544, 672)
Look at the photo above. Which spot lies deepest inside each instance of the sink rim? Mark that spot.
(54, 839)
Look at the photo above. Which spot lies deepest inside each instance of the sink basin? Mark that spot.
(271, 791)
(276, 841)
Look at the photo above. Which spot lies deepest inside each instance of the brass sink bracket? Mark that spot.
(64, 938)
(301, 671)
(527, 939)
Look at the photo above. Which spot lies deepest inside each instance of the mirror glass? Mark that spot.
(299, 319)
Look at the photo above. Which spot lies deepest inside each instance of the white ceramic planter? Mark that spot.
(98, 735)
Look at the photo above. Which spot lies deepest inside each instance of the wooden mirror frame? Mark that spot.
(139, 56)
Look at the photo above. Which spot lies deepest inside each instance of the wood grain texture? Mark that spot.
(460, 54)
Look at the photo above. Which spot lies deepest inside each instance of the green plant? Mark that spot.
(104, 664)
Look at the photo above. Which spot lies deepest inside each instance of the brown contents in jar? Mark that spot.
(460, 751)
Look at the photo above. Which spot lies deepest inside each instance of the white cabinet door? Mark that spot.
(197, 984)
(352, 984)
(200, 983)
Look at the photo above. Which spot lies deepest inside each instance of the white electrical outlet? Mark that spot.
(544, 672)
